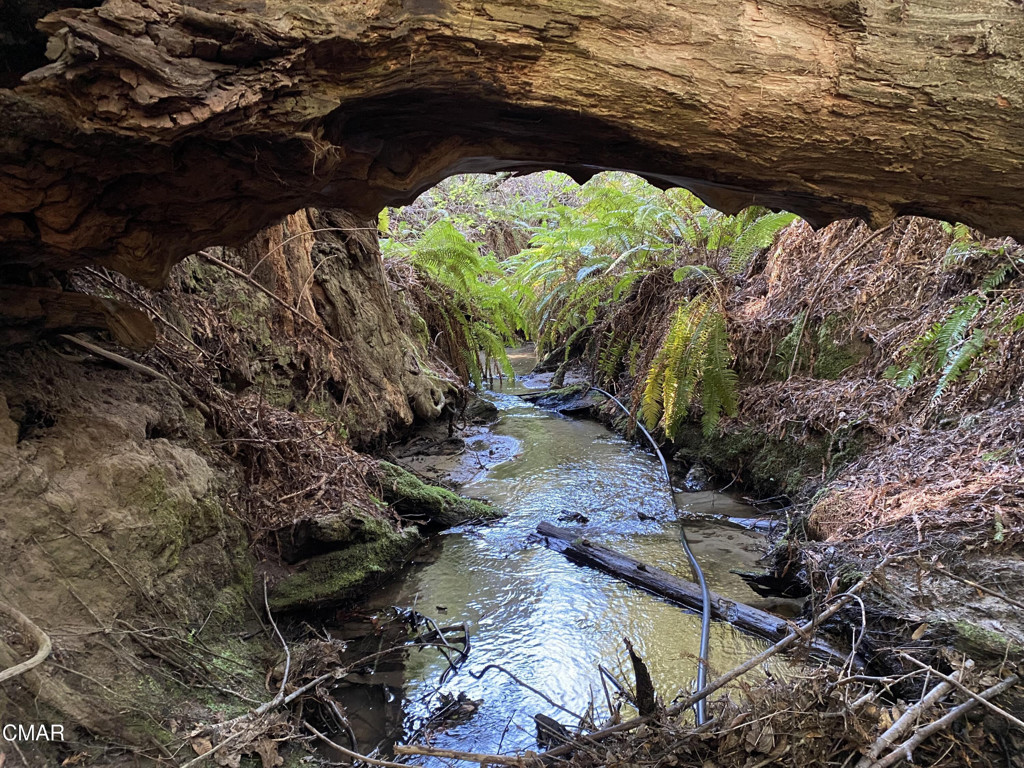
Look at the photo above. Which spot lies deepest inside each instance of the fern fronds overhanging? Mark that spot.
(955, 348)
(693, 355)
(579, 281)
(471, 316)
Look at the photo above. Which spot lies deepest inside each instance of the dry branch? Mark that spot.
(43, 644)
(964, 689)
(356, 755)
(905, 750)
(468, 757)
(909, 719)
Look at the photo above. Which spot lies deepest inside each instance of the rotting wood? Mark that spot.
(828, 109)
(681, 591)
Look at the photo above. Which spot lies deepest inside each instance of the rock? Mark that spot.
(480, 411)
(371, 550)
(418, 501)
(574, 517)
(697, 479)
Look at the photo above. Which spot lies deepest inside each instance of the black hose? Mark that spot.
(698, 574)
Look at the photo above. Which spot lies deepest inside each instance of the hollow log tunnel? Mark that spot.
(139, 131)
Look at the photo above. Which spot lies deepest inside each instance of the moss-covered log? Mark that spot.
(160, 127)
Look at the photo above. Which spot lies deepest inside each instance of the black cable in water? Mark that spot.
(698, 574)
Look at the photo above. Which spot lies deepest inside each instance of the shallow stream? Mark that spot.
(528, 609)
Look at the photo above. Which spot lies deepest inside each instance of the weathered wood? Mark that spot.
(158, 129)
(680, 591)
(29, 313)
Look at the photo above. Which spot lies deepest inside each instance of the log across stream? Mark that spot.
(579, 549)
(540, 617)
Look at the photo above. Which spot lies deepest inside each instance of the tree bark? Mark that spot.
(160, 127)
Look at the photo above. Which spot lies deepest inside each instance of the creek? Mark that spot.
(527, 608)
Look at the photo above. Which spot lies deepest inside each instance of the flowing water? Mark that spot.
(544, 619)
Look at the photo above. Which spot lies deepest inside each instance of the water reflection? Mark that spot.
(551, 622)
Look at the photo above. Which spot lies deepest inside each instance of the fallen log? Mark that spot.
(672, 588)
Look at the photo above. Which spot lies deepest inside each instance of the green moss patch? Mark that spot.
(411, 497)
(377, 550)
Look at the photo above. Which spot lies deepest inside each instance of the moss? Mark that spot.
(984, 644)
(834, 356)
(337, 575)
(411, 496)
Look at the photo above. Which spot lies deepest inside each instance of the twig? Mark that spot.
(963, 688)
(909, 719)
(287, 653)
(454, 754)
(945, 572)
(355, 755)
(548, 699)
(905, 750)
(42, 643)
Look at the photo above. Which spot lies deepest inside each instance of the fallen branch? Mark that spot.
(905, 750)
(910, 718)
(964, 689)
(43, 644)
(355, 755)
(681, 591)
(468, 757)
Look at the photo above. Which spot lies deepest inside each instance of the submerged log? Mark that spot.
(680, 591)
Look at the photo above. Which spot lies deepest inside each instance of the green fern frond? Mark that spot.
(757, 235)
(960, 361)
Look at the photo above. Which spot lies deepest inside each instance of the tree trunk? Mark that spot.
(159, 127)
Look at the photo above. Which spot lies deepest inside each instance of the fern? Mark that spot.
(955, 346)
(959, 362)
(759, 234)
(473, 316)
(693, 355)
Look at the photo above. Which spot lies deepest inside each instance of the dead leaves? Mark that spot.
(261, 737)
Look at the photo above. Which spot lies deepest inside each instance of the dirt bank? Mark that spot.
(146, 498)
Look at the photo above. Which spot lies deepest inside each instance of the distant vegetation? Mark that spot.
(643, 286)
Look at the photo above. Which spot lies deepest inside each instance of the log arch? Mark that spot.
(161, 127)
